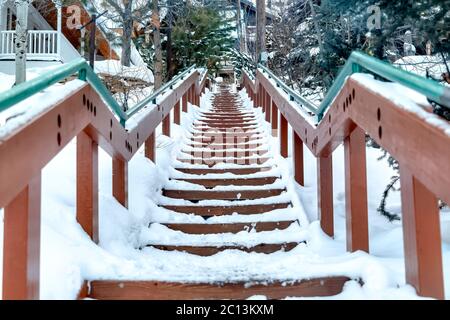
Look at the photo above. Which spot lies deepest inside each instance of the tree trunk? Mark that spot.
(157, 43)
(260, 28)
(316, 25)
(21, 40)
(127, 32)
(239, 26)
(169, 54)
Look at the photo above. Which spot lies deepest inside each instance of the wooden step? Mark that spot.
(211, 183)
(237, 121)
(210, 211)
(214, 139)
(221, 195)
(226, 118)
(208, 153)
(226, 135)
(157, 290)
(213, 161)
(203, 228)
(224, 146)
(227, 114)
(207, 251)
(237, 171)
(221, 129)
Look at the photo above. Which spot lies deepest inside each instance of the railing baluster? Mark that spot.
(356, 191)
(87, 184)
(22, 233)
(268, 102)
(166, 125)
(35, 47)
(274, 119)
(120, 180)
(298, 158)
(150, 147)
(421, 236)
(325, 193)
(184, 102)
(283, 136)
(176, 113)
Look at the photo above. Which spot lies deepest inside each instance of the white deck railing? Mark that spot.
(42, 45)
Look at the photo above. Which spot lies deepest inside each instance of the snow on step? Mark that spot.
(225, 191)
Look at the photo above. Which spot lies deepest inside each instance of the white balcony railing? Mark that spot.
(42, 45)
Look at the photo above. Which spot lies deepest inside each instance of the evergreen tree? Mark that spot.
(202, 37)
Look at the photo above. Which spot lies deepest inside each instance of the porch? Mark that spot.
(43, 43)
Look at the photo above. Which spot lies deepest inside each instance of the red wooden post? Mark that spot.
(166, 125)
(260, 102)
(268, 102)
(21, 247)
(193, 94)
(189, 95)
(356, 191)
(298, 159)
(87, 184)
(283, 136)
(421, 237)
(325, 193)
(150, 148)
(176, 113)
(184, 102)
(120, 180)
(274, 119)
(197, 96)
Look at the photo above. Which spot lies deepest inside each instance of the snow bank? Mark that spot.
(114, 67)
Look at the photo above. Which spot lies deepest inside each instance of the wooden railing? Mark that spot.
(421, 148)
(87, 116)
(41, 45)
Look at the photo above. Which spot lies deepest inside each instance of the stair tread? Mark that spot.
(207, 228)
(166, 290)
(212, 250)
(209, 211)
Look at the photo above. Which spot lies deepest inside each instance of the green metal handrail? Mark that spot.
(152, 98)
(27, 89)
(361, 62)
(293, 95)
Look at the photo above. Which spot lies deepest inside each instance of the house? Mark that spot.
(52, 37)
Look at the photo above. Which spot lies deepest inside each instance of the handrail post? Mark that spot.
(120, 180)
(150, 148)
(176, 113)
(356, 191)
(283, 135)
(184, 101)
(421, 236)
(267, 103)
(275, 119)
(87, 184)
(325, 193)
(298, 159)
(166, 125)
(260, 97)
(21, 254)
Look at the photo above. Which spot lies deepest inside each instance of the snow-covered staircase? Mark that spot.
(230, 197)
(224, 168)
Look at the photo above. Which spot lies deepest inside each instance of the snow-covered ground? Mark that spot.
(69, 257)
